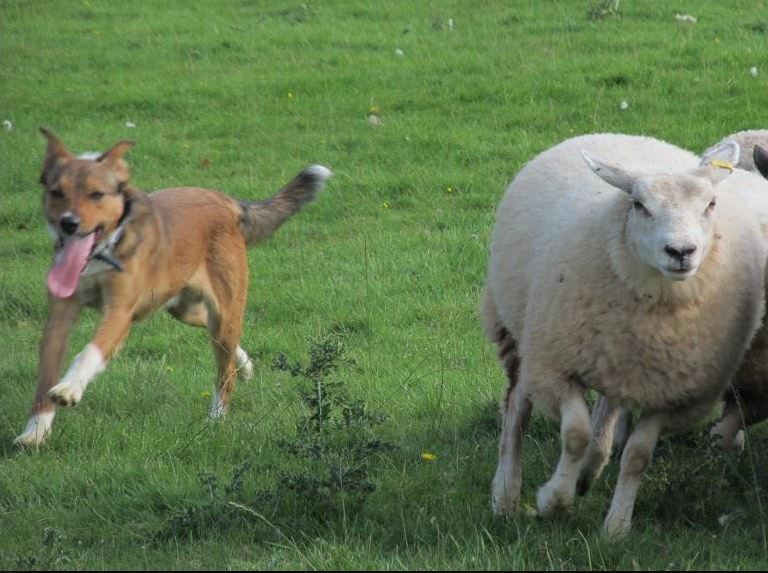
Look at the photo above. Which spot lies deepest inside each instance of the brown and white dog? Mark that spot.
(127, 254)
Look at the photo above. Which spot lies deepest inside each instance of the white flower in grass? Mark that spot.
(399, 53)
(685, 18)
(753, 71)
(130, 124)
(7, 125)
(623, 106)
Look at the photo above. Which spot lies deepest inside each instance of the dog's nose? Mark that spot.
(69, 223)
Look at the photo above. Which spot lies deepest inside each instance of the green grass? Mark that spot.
(240, 96)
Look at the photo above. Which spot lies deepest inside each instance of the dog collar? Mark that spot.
(106, 254)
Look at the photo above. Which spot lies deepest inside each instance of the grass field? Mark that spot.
(388, 264)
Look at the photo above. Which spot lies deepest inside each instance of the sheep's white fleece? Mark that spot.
(566, 288)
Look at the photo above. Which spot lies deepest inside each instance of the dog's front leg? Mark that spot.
(61, 317)
(94, 357)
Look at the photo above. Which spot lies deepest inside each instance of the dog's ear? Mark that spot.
(113, 159)
(55, 153)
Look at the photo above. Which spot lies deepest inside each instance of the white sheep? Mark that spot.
(746, 401)
(626, 278)
(746, 140)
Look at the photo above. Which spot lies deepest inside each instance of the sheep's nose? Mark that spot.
(69, 223)
(679, 253)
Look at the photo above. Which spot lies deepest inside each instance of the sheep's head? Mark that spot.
(670, 219)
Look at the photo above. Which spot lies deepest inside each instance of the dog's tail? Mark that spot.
(262, 218)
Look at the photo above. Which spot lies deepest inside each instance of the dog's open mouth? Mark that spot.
(70, 261)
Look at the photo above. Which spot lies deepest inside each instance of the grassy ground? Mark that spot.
(389, 262)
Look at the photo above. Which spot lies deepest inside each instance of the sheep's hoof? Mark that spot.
(504, 500)
(551, 500)
(616, 528)
(728, 441)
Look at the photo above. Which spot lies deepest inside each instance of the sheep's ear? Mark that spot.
(724, 152)
(611, 174)
(718, 162)
(761, 159)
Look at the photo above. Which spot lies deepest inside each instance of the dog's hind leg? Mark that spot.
(244, 364)
(190, 309)
(62, 316)
(229, 285)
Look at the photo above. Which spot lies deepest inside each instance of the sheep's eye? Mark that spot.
(96, 195)
(639, 207)
(711, 205)
(56, 193)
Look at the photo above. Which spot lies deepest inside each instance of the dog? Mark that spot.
(127, 254)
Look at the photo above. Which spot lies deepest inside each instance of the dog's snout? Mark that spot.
(69, 223)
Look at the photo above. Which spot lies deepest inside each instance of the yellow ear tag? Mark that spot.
(721, 164)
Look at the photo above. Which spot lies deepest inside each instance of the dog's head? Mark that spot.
(83, 201)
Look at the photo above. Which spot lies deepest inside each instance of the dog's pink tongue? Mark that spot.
(65, 272)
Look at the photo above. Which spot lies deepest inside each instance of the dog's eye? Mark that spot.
(56, 193)
(96, 195)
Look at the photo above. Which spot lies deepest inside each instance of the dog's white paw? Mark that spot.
(66, 393)
(37, 429)
(86, 365)
(244, 364)
(218, 409)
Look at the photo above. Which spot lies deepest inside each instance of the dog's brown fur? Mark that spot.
(182, 248)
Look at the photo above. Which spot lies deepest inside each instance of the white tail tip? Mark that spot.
(318, 171)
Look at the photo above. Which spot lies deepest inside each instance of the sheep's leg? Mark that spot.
(508, 481)
(634, 461)
(728, 432)
(559, 491)
(622, 430)
(746, 402)
(604, 418)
